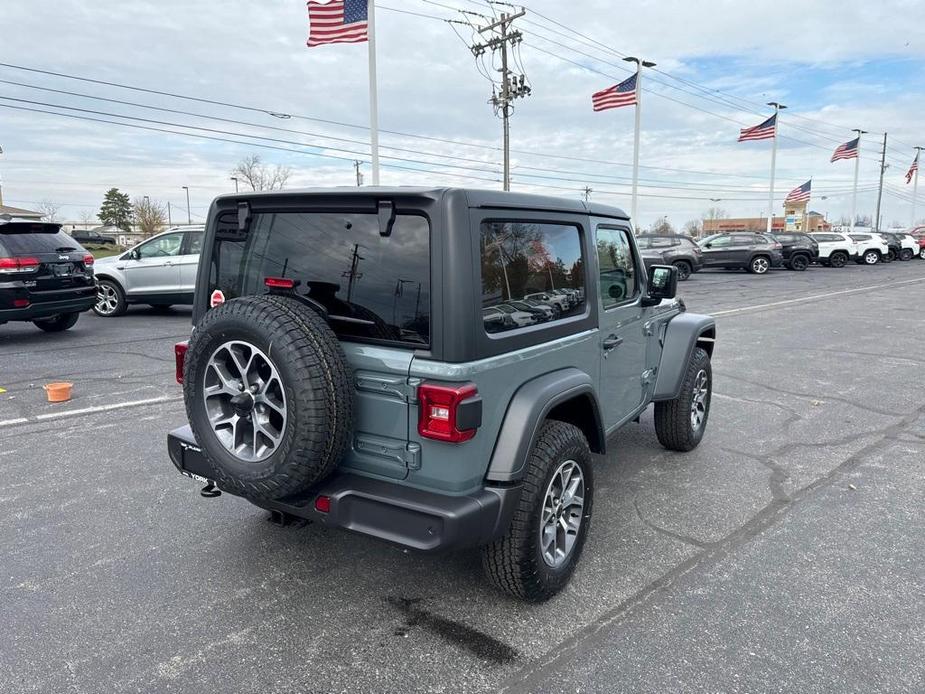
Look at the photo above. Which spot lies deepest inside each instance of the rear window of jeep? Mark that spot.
(374, 287)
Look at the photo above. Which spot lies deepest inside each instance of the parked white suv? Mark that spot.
(835, 250)
(908, 244)
(159, 272)
(871, 248)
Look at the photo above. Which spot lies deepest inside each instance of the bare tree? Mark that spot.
(260, 176)
(150, 215)
(714, 213)
(693, 227)
(662, 227)
(87, 217)
(49, 210)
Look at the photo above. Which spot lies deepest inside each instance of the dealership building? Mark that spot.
(796, 219)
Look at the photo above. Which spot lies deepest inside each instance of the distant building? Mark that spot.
(21, 213)
(812, 221)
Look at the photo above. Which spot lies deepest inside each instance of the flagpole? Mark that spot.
(857, 166)
(777, 108)
(639, 65)
(373, 91)
(915, 185)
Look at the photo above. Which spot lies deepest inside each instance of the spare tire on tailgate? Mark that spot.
(268, 396)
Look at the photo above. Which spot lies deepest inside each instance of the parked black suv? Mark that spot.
(93, 238)
(744, 250)
(676, 250)
(45, 276)
(798, 250)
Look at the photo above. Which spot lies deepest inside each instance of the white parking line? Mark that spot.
(46, 416)
(803, 299)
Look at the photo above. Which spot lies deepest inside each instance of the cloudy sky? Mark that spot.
(838, 65)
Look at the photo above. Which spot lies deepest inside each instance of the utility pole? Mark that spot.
(587, 191)
(883, 167)
(1, 184)
(169, 221)
(356, 165)
(915, 184)
(777, 110)
(189, 213)
(352, 275)
(857, 166)
(513, 86)
(235, 179)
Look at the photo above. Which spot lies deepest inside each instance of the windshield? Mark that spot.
(373, 287)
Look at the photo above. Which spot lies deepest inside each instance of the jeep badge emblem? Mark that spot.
(217, 298)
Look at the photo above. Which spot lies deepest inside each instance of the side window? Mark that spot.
(743, 240)
(194, 245)
(618, 280)
(532, 272)
(721, 242)
(162, 247)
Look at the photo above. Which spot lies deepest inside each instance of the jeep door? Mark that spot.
(152, 268)
(622, 331)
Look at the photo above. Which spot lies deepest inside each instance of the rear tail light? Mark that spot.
(323, 504)
(20, 303)
(449, 413)
(13, 265)
(179, 353)
(89, 260)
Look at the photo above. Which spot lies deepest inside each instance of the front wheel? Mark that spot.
(684, 270)
(922, 254)
(871, 257)
(680, 423)
(906, 254)
(759, 265)
(799, 263)
(110, 299)
(535, 558)
(57, 324)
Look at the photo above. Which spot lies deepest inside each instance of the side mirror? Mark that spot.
(708, 245)
(663, 284)
(134, 254)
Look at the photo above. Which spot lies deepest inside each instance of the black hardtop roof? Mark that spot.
(475, 197)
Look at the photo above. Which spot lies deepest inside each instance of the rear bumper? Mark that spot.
(403, 515)
(79, 302)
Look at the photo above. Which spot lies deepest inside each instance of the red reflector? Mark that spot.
(88, 260)
(323, 504)
(279, 282)
(179, 353)
(438, 410)
(20, 303)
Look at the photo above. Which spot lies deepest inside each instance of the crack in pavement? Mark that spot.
(686, 539)
(532, 676)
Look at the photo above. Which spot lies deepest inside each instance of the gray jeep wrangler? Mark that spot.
(432, 367)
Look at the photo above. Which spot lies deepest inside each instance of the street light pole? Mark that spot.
(1, 184)
(235, 179)
(189, 214)
(639, 65)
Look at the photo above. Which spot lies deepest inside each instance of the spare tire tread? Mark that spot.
(319, 418)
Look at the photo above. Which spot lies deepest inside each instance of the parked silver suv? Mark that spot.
(160, 271)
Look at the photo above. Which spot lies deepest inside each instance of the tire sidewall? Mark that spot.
(799, 263)
(684, 270)
(699, 361)
(838, 259)
(554, 578)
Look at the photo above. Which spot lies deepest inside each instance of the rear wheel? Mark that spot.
(57, 324)
(906, 254)
(870, 257)
(838, 259)
(536, 557)
(890, 255)
(799, 262)
(680, 423)
(684, 269)
(759, 265)
(922, 254)
(110, 299)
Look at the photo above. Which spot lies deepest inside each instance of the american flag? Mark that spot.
(800, 193)
(623, 94)
(849, 150)
(762, 131)
(340, 21)
(912, 169)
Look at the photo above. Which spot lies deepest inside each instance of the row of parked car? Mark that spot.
(758, 253)
(48, 278)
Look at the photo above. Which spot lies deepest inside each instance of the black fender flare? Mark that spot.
(529, 408)
(682, 335)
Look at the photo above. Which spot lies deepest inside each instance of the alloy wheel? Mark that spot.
(245, 401)
(562, 514)
(871, 258)
(699, 400)
(760, 265)
(106, 299)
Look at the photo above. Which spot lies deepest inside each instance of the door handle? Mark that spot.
(611, 342)
(167, 262)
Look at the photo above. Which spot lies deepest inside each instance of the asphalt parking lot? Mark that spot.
(784, 554)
